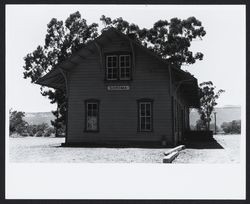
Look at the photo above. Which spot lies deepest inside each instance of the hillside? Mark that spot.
(39, 117)
(224, 114)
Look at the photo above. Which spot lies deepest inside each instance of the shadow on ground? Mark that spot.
(210, 144)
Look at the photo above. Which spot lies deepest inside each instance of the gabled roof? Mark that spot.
(55, 79)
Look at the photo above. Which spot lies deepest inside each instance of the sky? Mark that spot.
(223, 46)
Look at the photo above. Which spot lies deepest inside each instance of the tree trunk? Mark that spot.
(208, 126)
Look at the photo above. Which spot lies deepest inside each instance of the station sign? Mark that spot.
(118, 88)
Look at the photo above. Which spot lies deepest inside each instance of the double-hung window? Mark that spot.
(118, 67)
(124, 65)
(92, 115)
(112, 67)
(145, 116)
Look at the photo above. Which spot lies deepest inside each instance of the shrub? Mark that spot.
(17, 123)
(32, 130)
(37, 130)
(39, 133)
(25, 134)
(233, 127)
(49, 131)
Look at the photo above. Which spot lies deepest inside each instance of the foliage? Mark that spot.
(169, 39)
(61, 40)
(39, 130)
(22, 128)
(233, 127)
(208, 98)
(200, 125)
(49, 132)
(39, 133)
(192, 127)
(31, 129)
(17, 123)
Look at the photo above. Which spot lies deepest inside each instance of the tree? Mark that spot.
(61, 40)
(208, 99)
(17, 123)
(171, 40)
(200, 125)
(233, 127)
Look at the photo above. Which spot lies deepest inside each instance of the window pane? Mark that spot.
(92, 123)
(94, 113)
(122, 73)
(142, 109)
(127, 75)
(148, 126)
(124, 61)
(114, 64)
(148, 119)
(115, 73)
(122, 64)
(127, 61)
(142, 123)
(148, 113)
(92, 116)
(89, 110)
(94, 106)
(111, 61)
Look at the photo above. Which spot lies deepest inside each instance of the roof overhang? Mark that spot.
(54, 79)
(190, 91)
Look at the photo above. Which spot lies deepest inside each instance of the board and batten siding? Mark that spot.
(118, 114)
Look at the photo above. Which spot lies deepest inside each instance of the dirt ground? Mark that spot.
(225, 150)
(40, 149)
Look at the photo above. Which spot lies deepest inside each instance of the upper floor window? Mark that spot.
(118, 67)
(111, 67)
(124, 65)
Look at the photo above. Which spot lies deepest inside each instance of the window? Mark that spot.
(124, 64)
(112, 68)
(145, 116)
(118, 67)
(92, 115)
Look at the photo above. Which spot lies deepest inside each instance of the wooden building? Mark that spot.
(120, 92)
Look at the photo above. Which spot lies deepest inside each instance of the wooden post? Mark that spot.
(66, 98)
(215, 123)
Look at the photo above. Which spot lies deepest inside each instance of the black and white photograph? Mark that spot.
(126, 101)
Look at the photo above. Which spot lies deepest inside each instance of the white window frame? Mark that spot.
(145, 117)
(112, 68)
(125, 67)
